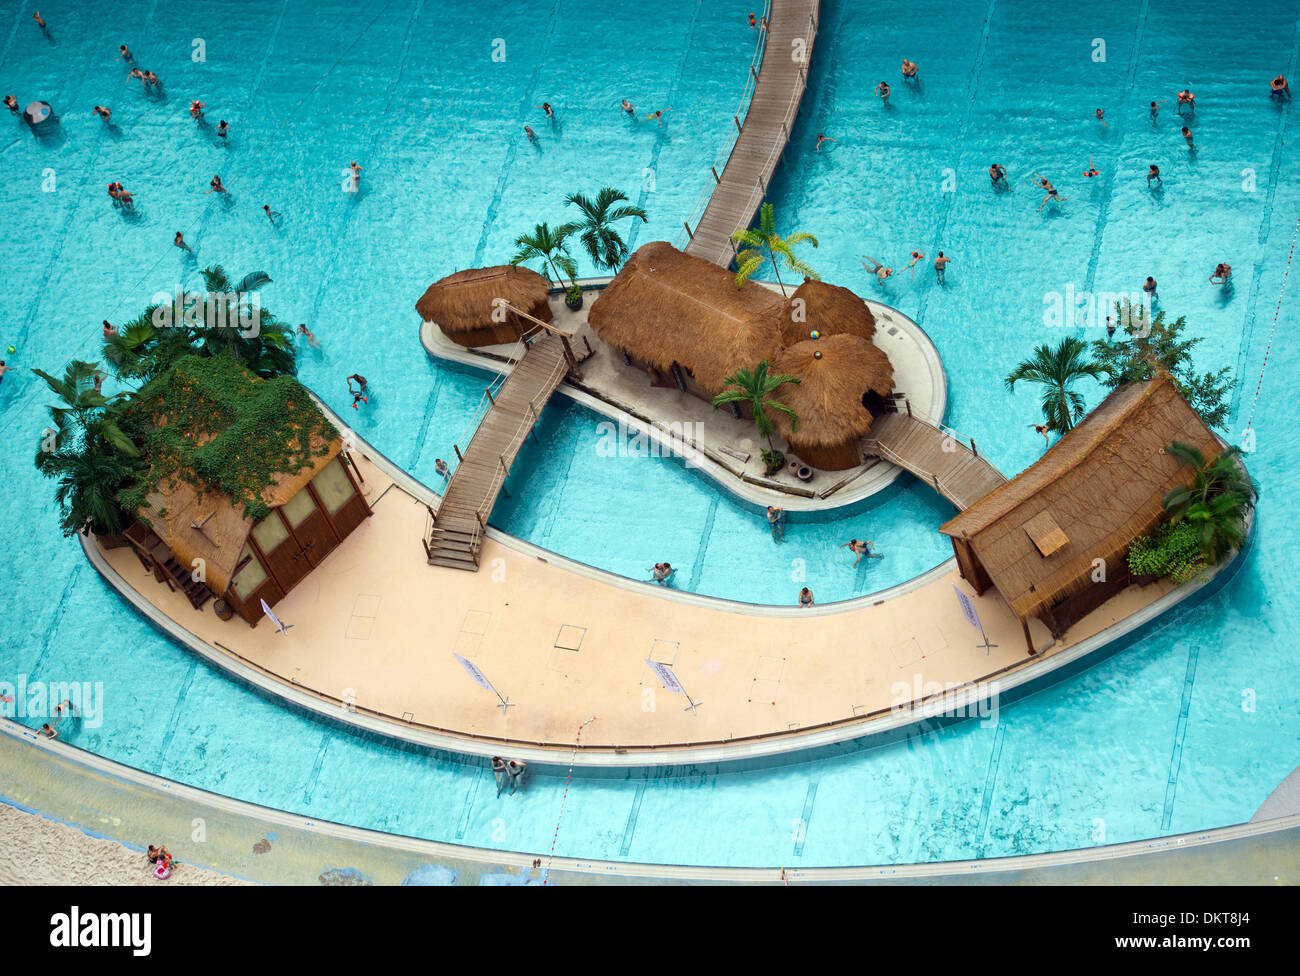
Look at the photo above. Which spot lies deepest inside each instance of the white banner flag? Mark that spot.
(666, 675)
(968, 610)
(476, 674)
(274, 619)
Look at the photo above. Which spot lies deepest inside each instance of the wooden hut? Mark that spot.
(468, 307)
(684, 321)
(1054, 540)
(248, 488)
(836, 375)
(826, 309)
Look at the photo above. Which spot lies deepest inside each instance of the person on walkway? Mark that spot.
(775, 519)
(940, 267)
(515, 769)
(1187, 137)
(663, 572)
(1279, 90)
(859, 546)
(877, 269)
(821, 138)
(805, 597)
(1154, 174)
(1041, 429)
(1222, 274)
(998, 175)
(499, 773)
(359, 395)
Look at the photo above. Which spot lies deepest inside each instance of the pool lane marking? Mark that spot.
(1277, 311)
(177, 708)
(56, 619)
(470, 795)
(314, 775)
(266, 58)
(1180, 731)
(805, 819)
(697, 567)
(564, 799)
(990, 785)
(631, 819)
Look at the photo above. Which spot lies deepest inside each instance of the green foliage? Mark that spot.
(772, 462)
(1172, 551)
(1057, 370)
(210, 423)
(1215, 503)
(763, 244)
(1149, 345)
(149, 344)
(754, 388)
(550, 247)
(601, 241)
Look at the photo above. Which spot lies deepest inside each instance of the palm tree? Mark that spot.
(603, 243)
(1057, 370)
(765, 244)
(1215, 502)
(548, 246)
(754, 388)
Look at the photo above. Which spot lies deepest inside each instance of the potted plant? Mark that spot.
(573, 298)
(773, 461)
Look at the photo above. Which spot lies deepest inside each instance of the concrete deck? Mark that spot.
(624, 394)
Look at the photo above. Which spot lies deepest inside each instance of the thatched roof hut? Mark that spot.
(226, 451)
(466, 305)
(835, 372)
(1037, 538)
(826, 309)
(667, 308)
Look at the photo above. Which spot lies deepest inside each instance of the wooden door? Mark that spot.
(310, 527)
(284, 554)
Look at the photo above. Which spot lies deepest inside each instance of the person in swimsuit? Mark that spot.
(805, 597)
(1091, 171)
(270, 214)
(1279, 90)
(1101, 117)
(877, 269)
(1155, 109)
(356, 175)
(440, 467)
(998, 174)
(528, 131)
(4, 369)
(1187, 137)
(216, 185)
(515, 770)
(940, 267)
(1052, 193)
(307, 333)
(48, 731)
(1154, 174)
(1222, 273)
(775, 519)
(861, 547)
(1149, 286)
(546, 107)
(882, 90)
(1185, 97)
(499, 773)
(136, 73)
(196, 110)
(124, 198)
(125, 55)
(104, 113)
(821, 138)
(659, 116)
(909, 70)
(40, 21)
(11, 103)
(109, 329)
(179, 241)
(662, 573)
(917, 257)
(1041, 429)
(222, 129)
(627, 107)
(359, 394)
(151, 80)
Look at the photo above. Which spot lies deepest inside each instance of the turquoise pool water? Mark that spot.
(1155, 740)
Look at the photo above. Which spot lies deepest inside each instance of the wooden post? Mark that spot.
(587, 342)
(739, 127)
(909, 411)
(568, 353)
(456, 448)
(752, 73)
(688, 230)
(973, 449)
(532, 411)
(716, 177)
(935, 477)
(479, 515)
(488, 391)
(505, 472)
(1029, 641)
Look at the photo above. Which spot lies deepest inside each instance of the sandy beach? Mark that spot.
(37, 851)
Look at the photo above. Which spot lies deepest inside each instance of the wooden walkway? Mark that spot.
(935, 456)
(778, 91)
(455, 534)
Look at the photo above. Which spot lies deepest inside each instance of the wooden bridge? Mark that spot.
(935, 454)
(784, 52)
(507, 413)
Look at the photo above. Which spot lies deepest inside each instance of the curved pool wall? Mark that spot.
(1189, 729)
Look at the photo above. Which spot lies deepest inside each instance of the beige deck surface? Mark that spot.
(375, 621)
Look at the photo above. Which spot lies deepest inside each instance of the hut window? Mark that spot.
(333, 486)
(270, 532)
(1045, 534)
(251, 576)
(298, 507)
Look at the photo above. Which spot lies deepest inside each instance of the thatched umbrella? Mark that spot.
(667, 307)
(826, 309)
(835, 373)
(466, 305)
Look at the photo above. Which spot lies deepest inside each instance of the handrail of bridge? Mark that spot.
(485, 399)
(787, 119)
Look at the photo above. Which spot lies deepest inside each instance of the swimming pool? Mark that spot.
(1154, 741)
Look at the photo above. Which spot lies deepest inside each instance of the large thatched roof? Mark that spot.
(827, 309)
(223, 447)
(666, 307)
(1095, 491)
(464, 301)
(834, 373)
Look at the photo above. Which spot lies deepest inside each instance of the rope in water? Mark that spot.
(1277, 311)
(546, 878)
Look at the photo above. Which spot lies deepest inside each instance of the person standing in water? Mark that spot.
(1279, 90)
(882, 90)
(1155, 110)
(940, 267)
(359, 395)
(1154, 174)
(104, 113)
(860, 546)
(11, 103)
(125, 55)
(805, 597)
(1185, 97)
(909, 70)
(1149, 287)
(515, 769)
(1187, 137)
(628, 108)
(499, 773)
(775, 518)
(223, 129)
(1222, 274)
(663, 572)
(998, 174)
(179, 241)
(270, 214)
(1041, 429)
(821, 138)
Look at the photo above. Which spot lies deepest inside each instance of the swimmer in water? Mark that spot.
(216, 185)
(270, 214)
(861, 547)
(499, 773)
(998, 175)
(909, 70)
(4, 369)
(940, 267)
(222, 129)
(151, 79)
(441, 469)
(1222, 273)
(805, 597)
(1101, 117)
(40, 21)
(662, 573)
(125, 55)
(1155, 109)
(627, 107)
(1041, 429)
(532, 136)
(1149, 286)
(196, 110)
(1154, 174)
(776, 519)
(659, 116)
(1279, 90)
(1187, 137)
(356, 176)
(546, 107)
(179, 241)
(1091, 171)
(125, 199)
(877, 269)
(821, 138)
(136, 73)
(11, 103)
(1185, 97)
(882, 90)
(104, 113)
(359, 394)
(917, 256)
(1052, 193)
(306, 332)
(109, 329)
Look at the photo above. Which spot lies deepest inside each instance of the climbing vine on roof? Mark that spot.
(214, 425)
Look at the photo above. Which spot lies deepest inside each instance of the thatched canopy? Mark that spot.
(463, 301)
(835, 372)
(667, 307)
(827, 309)
(224, 447)
(1095, 491)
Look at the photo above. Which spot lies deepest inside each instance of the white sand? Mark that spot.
(37, 851)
